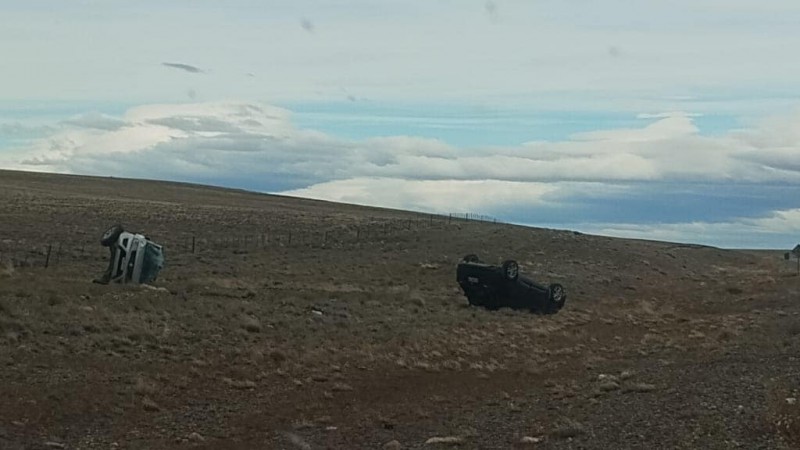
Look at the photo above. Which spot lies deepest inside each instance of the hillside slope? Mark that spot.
(288, 323)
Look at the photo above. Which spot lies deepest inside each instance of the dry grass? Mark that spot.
(568, 429)
(248, 343)
(145, 387)
(784, 410)
(6, 268)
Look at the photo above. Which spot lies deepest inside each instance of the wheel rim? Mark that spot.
(558, 293)
(511, 271)
(109, 232)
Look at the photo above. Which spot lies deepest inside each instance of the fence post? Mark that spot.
(193, 243)
(47, 259)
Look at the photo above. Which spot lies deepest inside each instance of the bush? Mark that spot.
(785, 410)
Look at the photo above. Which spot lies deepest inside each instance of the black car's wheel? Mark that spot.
(471, 258)
(556, 298)
(510, 270)
(111, 235)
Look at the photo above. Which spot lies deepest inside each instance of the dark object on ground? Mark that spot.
(111, 235)
(502, 286)
(134, 258)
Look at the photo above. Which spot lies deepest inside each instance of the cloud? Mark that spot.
(607, 181)
(669, 149)
(96, 121)
(490, 8)
(665, 115)
(774, 230)
(429, 195)
(712, 56)
(18, 129)
(184, 67)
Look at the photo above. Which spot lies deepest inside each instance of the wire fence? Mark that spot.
(291, 235)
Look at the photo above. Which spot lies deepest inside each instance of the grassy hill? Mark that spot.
(289, 323)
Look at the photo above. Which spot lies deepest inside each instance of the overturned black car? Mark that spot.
(502, 286)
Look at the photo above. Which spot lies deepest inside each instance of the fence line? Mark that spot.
(377, 230)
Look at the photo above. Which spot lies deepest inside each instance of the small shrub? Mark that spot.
(6, 269)
(5, 310)
(54, 299)
(145, 387)
(568, 429)
(251, 324)
(785, 414)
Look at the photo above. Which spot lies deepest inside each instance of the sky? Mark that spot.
(675, 121)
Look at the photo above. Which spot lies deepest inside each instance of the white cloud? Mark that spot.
(97, 121)
(669, 126)
(665, 115)
(227, 140)
(258, 147)
(786, 221)
(774, 230)
(438, 196)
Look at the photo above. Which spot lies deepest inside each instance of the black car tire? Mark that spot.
(510, 270)
(111, 235)
(471, 258)
(474, 300)
(556, 297)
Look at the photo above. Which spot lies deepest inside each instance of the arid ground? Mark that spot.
(353, 334)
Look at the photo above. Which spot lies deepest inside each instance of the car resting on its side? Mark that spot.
(134, 258)
(495, 287)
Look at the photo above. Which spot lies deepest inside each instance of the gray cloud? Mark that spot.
(17, 129)
(670, 149)
(198, 124)
(491, 9)
(774, 230)
(593, 175)
(778, 159)
(241, 141)
(732, 44)
(96, 121)
(184, 67)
